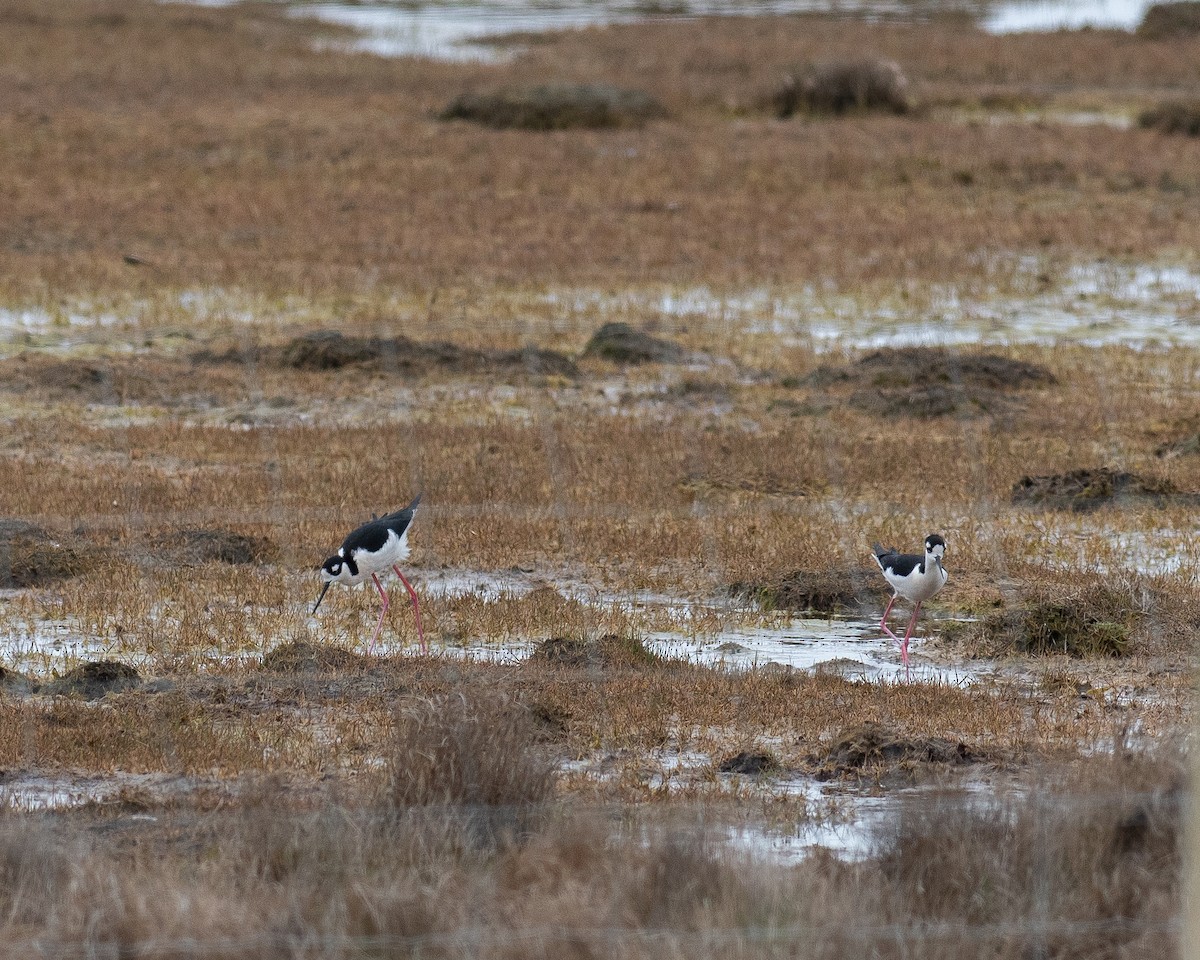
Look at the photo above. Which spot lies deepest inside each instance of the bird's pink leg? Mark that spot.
(908, 633)
(883, 623)
(416, 607)
(382, 613)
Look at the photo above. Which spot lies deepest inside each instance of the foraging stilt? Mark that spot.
(369, 551)
(914, 578)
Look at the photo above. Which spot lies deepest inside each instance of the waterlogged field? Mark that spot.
(253, 291)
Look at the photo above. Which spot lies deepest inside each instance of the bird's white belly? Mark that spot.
(919, 587)
(395, 550)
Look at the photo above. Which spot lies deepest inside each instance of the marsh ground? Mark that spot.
(254, 291)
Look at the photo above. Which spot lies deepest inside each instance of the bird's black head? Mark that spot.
(935, 544)
(336, 569)
(331, 569)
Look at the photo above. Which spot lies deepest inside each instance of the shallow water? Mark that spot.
(461, 31)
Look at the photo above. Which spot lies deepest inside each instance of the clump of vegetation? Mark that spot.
(1162, 21)
(556, 107)
(819, 591)
(607, 650)
(840, 87)
(1089, 489)
(1094, 621)
(1173, 116)
(621, 343)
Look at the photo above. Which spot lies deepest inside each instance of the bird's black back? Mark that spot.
(374, 534)
(901, 564)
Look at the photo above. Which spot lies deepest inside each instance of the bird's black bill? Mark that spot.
(322, 596)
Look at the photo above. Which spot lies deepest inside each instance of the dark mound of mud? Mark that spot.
(841, 87)
(299, 656)
(106, 381)
(194, 546)
(873, 744)
(822, 591)
(1172, 116)
(927, 382)
(324, 350)
(15, 683)
(556, 107)
(609, 650)
(936, 400)
(621, 343)
(95, 680)
(750, 763)
(1163, 21)
(30, 557)
(1091, 488)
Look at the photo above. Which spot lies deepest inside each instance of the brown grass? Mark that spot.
(1085, 865)
(218, 148)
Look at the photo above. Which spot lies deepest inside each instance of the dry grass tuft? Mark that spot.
(841, 87)
(1173, 116)
(1089, 489)
(1166, 21)
(556, 107)
(478, 750)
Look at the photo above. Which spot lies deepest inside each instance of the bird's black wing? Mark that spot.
(900, 564)
(373, 535)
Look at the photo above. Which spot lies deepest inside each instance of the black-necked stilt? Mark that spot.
(368, 552)
(914, 578)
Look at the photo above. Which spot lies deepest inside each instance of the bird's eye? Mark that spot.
(337, 568)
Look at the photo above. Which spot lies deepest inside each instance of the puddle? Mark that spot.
(852, 648)
(1093, 304)
(1035, 15)
(31, 792)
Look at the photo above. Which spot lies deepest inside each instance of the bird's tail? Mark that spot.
(880, 553)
